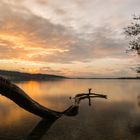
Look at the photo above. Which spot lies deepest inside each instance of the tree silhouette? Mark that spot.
(132, 32)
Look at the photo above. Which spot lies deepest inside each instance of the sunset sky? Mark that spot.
(76, 38)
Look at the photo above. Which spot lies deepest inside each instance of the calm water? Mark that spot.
(115, 118)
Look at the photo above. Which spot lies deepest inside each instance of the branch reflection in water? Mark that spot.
(44, 125)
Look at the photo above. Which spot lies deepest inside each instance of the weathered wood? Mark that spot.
(18, 96)
(89, 95)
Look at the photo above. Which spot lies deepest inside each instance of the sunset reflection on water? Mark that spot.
(123, 100)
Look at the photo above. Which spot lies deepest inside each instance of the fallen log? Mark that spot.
(18, 96)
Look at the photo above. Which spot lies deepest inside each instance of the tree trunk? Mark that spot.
(18, 96)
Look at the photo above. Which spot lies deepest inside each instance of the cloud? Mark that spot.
(61, 32)
(37, 39)
(95, 13)
(30, 34)
(102, 43)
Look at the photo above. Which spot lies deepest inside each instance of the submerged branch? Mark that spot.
(18, 96)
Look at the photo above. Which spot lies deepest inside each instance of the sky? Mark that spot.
(75, 38)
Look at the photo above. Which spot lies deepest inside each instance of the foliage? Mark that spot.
(133, 33)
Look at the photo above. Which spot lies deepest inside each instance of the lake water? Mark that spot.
(115, 118)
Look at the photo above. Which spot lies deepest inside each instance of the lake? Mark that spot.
(115, 118)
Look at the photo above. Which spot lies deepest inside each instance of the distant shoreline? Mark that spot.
(19, 76)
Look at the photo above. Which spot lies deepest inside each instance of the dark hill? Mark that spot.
(14, 75)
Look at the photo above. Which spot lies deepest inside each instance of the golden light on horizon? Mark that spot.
(33, 70)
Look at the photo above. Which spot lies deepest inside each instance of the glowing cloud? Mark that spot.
(59, 37)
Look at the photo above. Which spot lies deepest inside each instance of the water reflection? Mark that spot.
(41, 128)
(44, 125)
(138, 97)
(116, 118)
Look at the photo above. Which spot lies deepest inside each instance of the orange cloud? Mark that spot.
(55, 41)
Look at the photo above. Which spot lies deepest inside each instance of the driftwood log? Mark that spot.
(18, 96)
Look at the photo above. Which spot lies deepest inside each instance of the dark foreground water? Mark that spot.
(115, 118)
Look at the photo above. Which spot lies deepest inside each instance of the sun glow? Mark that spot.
(35, 47)
(33, 70)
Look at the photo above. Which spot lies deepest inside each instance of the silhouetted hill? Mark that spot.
(14, 75)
